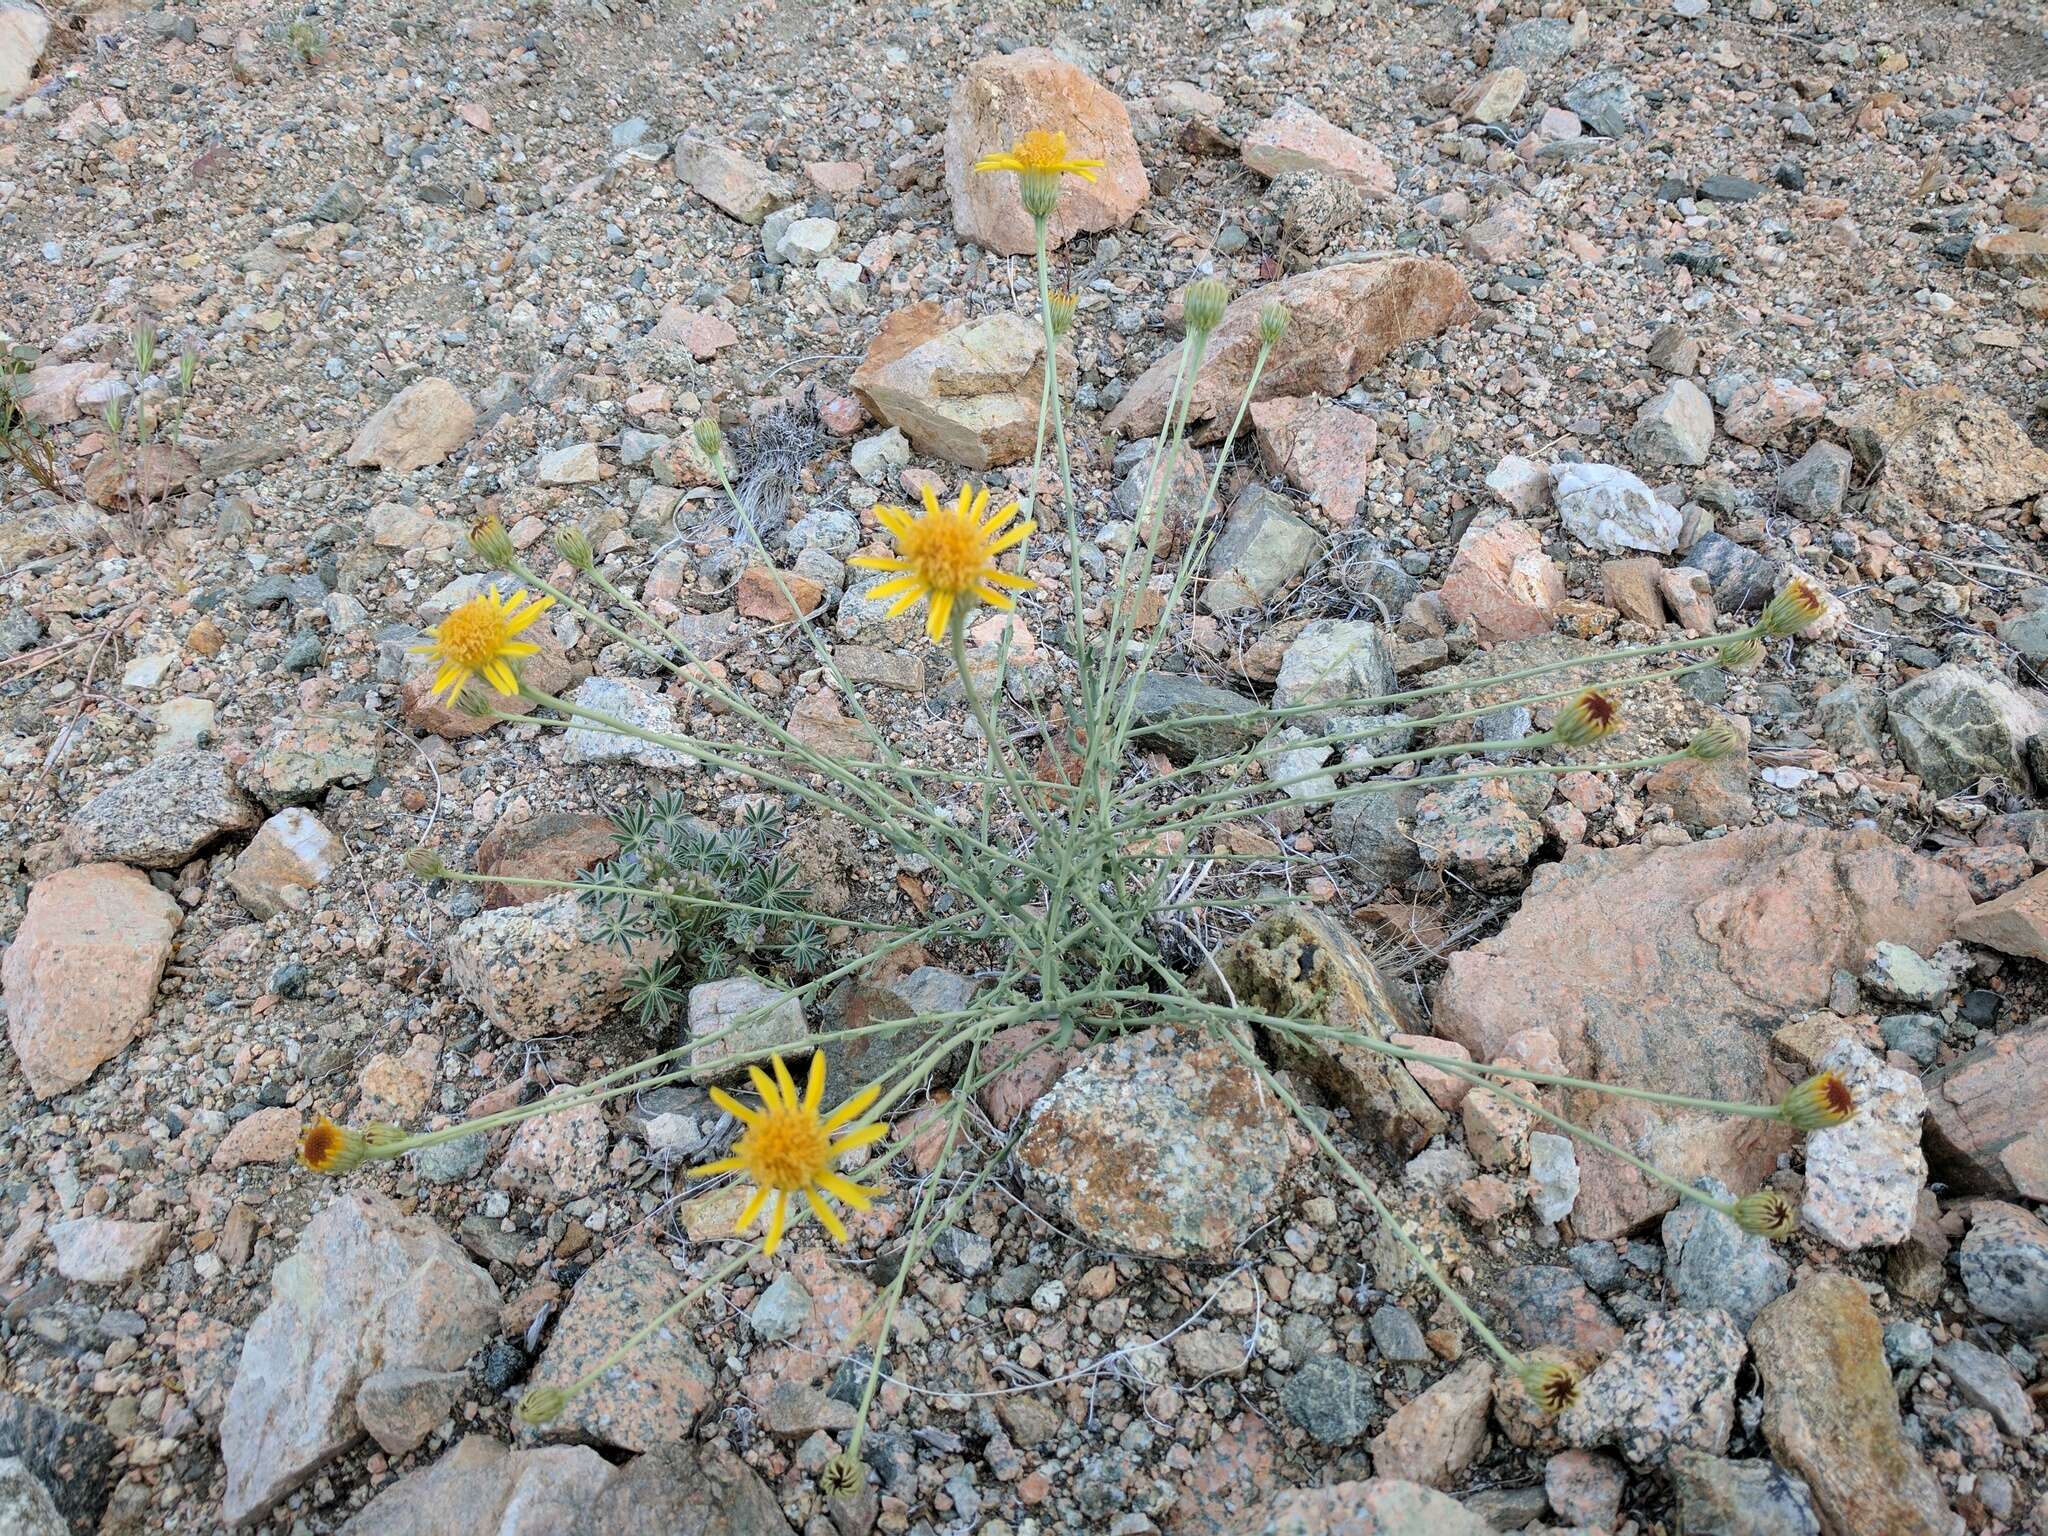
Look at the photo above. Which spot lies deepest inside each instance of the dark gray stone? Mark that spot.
(1984, 1380)
(1605, 102)
(1743, 580)
(1719, 1497)
(1814, 486)
(1332, 1400)
(1714, 1263)
(1166, 699)
(71, 1458)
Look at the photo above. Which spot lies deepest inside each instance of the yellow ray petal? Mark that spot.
(906, 602)
(764, 1086)
(853, 1194)
(734, 1107)
(880, 562)
(827, 1218)
(894, 518)
(1001, 601)
(814, 1086)
(1006, 579)
(500, 676)
(1016, 535)
(787, 1083)
(882, 592)
(775, 1220)
(723, 1165)
(860, 1136)
(931, 502)
(942, 610)
(854, 1107)
(753, 1209)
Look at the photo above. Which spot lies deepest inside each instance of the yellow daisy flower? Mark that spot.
(949, 557)
(479, 639)
(1040, 159)
(788, 1149)
(326, 1147)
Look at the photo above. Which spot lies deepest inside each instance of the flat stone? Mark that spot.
(1984, 1380)
(1166, 699)
(421, 425)
(1714, 1265)
(556, 845)
(1953, 452)
(1761, 412)
(1324, 449)
(481, 1486)
(401, 1406)
(1159, 1147)
(24, 30)
(719, 1006)
(163, 814)
(1377, 1506)
(1831, 1416)
(1815, 485)
(640, 705)
(544, 968)
(1957, 724)
(1863, 1177)
(1434, 1437)
(1987, 1115)
(574, 464)
(685, 1489)
(268, 1137)
(1718, 1497)
(730, 181)
(1343, 321)
(1263, 549)
(652, 1397)
(1332, 1399)
(1298, 138)
(98, 1250)
(368, 1289)
(2003, 1262)
(80, 977)
(1670, 1383)
(1751, 929)
(556, 1157)
(962, 390)
(1501, 580)
(313, 753)
(1674, 426)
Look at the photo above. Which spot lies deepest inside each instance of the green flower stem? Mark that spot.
(1237, 422)
(1052, 362)
(1192, 824)
(1380, 1209)
(999, 756)
(1353, 734)
(645, 893)
(1367, 704)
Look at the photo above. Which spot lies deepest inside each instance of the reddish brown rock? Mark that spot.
(2024, 252)
(1323, 448)
(1669, 968)
(1986, 1131)
(80, 977)
(1502, 581)
(555, 846)
(1343, 321)
(1634, 588)
(962, 390)
(768, 595)
(1762, 411)
(1438, 1435)
(1954, 453)
(2014, 924)
(1832, 1416)
(1003, 98)
(1298, 138)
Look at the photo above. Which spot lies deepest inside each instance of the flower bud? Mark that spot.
(710, 441)
(1766, 1214)
(492, 544)
(427, 864)
(1272, 323)
(328, 1148)
(1824, 1099)
(841, 1475)
(1714, 742)
(542, 1405)
(573, 545)
(1587, 718)
(1799, 603)
(1205, 302)
(1039, 191)
(1737, 655)
(1552, 1384)
(1061, 305)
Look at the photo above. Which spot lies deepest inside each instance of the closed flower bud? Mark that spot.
(333, 1149)
(1553, 1385)
(1587, 718)
(543, 1405)
(1798, 605)
(427, 864)
(1714, 742)
(1766, 1214)
(1272, 323)
(573, 545)
(840, 1476)
(1824, 1099)
(1061, 307)
(1206, 301)
(492, 544)
(1739, 654)
(710, 441)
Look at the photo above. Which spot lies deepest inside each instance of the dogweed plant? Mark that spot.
(1064, 870)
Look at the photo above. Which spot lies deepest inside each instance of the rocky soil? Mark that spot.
(1606, 320)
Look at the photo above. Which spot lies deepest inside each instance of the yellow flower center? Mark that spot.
(473, 634)
(786, 1149)
(1040, 150)
(947, 551)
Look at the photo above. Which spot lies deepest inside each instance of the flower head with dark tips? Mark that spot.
(1738, 654)
(573, 545)
(1824, 1099)
(710, 441)
(481, 639)
(948, 557)
(1796, 606)
(1039, 160)
(332, 1149)
(1061, 305)
(492, 544)
(1551, 1384)
(788, 1148)
(1589, 717)
(1714, 741)
(1766, 1214)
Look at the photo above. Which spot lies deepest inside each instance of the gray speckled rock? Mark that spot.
(1333, 660)
(1863, 1177)
(635, 703)
(1985, 1381)
(1263, 547)
(543, 968)
(1165, 700)
(1815, 485)
(1717, 1497)
(654, 1395)
(774, 1020)
(482, 1486)
(1157, 1144)
(70, 1457)
(1957, 724)
(368, 1289)
(163, 814)
(1379, 1506)
(1670, 1383)
(309, 755)
(1674, 426)
(26, 1508)
(2004, 1264)
(1332, 1399)
(1714, 1264)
